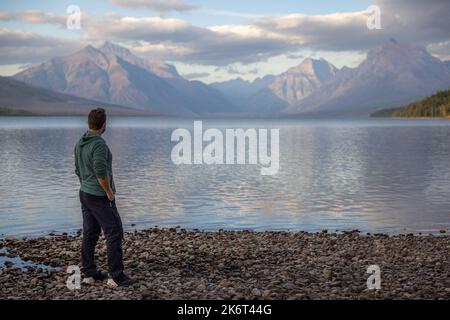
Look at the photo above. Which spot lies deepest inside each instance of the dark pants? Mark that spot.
(100, 214)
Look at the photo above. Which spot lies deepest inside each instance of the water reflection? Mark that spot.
(374, 175)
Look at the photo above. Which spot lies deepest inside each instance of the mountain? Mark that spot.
(299, 82)
(276, 93)
(199, 97)
(238, 90)
(18, 98)
(392, 74)
(112, 74)
(157, 67)
(291, 87)
(437, 106)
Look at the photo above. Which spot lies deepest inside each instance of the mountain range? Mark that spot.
(112, 74)
(19, 98)
(392, 74)
(273, 94)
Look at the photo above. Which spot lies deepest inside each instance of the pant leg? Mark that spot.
(107, 216)
(91, 233)
(114, 236)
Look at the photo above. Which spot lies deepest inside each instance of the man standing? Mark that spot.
(93, 166)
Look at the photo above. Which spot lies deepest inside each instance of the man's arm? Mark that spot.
(100, 169)
(105, 184)
(77, 169)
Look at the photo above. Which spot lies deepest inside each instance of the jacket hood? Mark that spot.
(89, 137)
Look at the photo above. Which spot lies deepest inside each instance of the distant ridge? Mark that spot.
(434, 106)
(392, 74)
(18, 98)
(112, 74)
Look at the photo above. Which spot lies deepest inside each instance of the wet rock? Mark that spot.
(8, 264)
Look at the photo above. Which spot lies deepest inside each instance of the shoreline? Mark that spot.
(179, 264)
(133, 227)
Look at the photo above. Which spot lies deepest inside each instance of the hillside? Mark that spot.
(435, 106)
(18, 98)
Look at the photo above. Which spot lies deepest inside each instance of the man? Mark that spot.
(93, 166)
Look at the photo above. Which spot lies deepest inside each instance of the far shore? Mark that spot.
(231, 116)
(179, 264)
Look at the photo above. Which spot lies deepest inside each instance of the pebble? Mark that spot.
(240, 265)
(326, 273)
(256, 292)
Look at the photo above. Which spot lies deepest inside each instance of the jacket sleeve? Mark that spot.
(100, 154)
(77, 168)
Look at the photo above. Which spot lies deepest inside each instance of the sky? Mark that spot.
(212, 40)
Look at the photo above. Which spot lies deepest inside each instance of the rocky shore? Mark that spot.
(179, 264)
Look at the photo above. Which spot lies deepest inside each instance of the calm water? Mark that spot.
(376, 175)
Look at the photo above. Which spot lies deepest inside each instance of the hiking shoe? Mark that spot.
(121, 281)
(96, 277)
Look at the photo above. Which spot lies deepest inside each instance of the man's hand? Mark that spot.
(104, 183)
(110, 195)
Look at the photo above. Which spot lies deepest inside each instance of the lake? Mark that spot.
(375, 175)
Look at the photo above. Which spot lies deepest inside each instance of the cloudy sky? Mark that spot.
(212, 40)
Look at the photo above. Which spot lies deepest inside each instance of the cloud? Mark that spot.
(415, 21)
(196, 75)
(156, 5)
(336, 31)
(34, 16)
(420, 22)
(295, 56)
(178, 40)
(235, 14)
(152, 29)
(440, 50)
(262, 38)
(235, 70)
(25, 47)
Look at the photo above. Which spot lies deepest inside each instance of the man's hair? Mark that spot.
(97, 118)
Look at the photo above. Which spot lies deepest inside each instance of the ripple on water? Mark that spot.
(371, 175)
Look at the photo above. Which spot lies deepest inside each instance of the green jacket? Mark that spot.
(93, 160)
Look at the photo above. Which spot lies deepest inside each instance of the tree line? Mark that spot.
(434, 106)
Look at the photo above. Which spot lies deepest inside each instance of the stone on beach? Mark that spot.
(175, 264)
